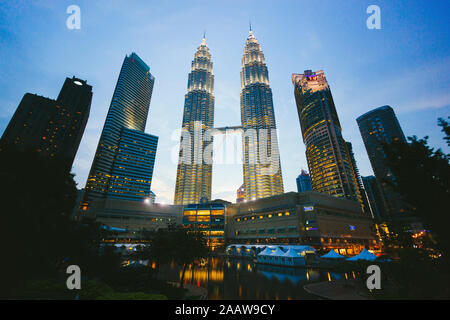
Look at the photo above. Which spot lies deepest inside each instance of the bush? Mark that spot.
(55, 289)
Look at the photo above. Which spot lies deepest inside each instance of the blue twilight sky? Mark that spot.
(406, 64)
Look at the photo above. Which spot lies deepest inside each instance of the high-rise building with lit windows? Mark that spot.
(240, 194)
(209, 219)
(365, 200)
(329, 160)
(195, 159)
(261, 158)
(123, 163)
(53, 128)
(377, 127)
(131, 174)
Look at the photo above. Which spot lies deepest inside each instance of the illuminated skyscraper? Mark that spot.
(195, 157)
(329, 160)
(261, 158)
(240, 194)
(380, 126)
(125, 156)
(364, 198)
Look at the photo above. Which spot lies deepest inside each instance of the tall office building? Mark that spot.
(329, 160)
(261, 158)
(194, 166)
(240, 194)
(123, 163)
(377, 127)
(364, 199)
(303, 182)
(376, 204)
(53, 128)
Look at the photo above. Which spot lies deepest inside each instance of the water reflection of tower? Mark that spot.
(209, 276)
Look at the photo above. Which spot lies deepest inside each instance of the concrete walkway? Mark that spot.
(335, 290)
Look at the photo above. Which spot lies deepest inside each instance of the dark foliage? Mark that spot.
(414, 276)
(445, 128)
(55, 289)
(141, 279)
(422, 177)
(38, 196)
(174, 244)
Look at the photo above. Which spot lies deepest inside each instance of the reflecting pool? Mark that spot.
(243, 279)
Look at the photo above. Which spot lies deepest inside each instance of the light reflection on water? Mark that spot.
(243, 279)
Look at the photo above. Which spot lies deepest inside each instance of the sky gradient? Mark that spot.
(406, 65)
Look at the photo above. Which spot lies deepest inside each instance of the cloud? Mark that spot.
(228, 196)
(163, 191)
(436, 101)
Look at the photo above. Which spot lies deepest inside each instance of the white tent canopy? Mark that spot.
(265, 252)
(364, 255)
(291, 253)
(278, 252)
(300, 249)
(332, 255)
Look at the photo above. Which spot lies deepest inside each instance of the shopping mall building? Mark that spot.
(309, 218)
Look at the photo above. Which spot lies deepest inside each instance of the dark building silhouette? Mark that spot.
(377, 127)
(53, 128)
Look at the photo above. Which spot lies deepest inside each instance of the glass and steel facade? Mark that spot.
(329, 160)
(194, 170)
(374, 198)
(380, 126)
(364, 198)
(208, 218)
(303, 182)
(123, 162)
(132, 172)
(261, 158)
(240, 194)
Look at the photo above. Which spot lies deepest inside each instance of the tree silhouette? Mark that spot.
(38, 195)
(175, 243)
(422, 176)
(445, 128)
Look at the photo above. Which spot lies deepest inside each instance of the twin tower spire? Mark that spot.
(261, 160)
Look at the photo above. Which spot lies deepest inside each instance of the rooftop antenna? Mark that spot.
(204, 38)
(250, 24)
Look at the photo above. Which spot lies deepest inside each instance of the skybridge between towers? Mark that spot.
(228, 129)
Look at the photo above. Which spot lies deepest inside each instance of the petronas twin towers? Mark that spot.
(261, 160)
(194, 167)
